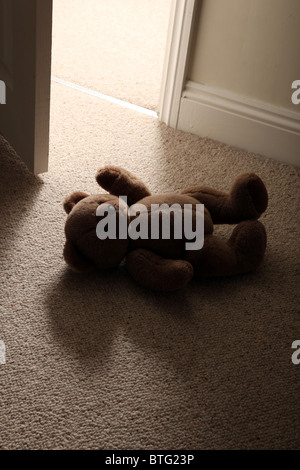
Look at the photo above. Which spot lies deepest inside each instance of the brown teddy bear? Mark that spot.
(158, 262)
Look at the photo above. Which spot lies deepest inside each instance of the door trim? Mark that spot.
(176, 54)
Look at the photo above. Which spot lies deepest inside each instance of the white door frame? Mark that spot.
(173, 80)
(176, 55)
(215, 113)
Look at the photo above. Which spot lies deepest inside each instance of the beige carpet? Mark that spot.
(115, 47)
(96, 362)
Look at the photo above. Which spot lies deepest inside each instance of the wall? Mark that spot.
(244, 57)
(249, 47)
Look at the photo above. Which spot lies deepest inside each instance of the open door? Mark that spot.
(25, 74)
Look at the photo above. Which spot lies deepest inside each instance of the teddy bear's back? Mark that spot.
(161, 207)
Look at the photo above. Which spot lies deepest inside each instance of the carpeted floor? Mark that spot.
(114, 47)
(94, 361)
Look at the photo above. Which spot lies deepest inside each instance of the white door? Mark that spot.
(25, 73)
(176, 57)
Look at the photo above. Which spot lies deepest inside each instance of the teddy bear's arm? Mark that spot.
(247, 199)
(157, 273)
(121, 182)
(75, 259)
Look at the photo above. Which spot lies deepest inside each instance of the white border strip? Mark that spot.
(110, 99)
(241, 122)
(2, 352)
(173, 77)
(240, 105)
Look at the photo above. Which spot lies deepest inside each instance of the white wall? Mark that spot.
(249, 47)
(243, 58)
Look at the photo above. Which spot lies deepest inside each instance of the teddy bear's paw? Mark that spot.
(121, 182)
(107, 176)
(154, 272)
(249, 196)
(249, 241)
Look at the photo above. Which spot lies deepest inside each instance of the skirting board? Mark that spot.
(240, 122)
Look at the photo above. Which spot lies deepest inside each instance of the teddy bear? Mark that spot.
(164, 263)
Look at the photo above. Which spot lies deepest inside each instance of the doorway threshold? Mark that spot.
(111, 99)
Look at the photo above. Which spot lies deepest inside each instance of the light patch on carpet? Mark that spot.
(111, 99)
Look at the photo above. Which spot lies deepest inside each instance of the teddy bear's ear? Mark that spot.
(72, 200)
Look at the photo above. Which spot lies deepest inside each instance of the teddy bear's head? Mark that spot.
(88, 243)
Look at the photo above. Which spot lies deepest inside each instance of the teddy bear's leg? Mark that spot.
(242, 253)
(121, 182)
(247, 199)
(76, 260)
(157, 273)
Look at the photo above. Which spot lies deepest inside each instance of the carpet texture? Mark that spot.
(94, 361)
